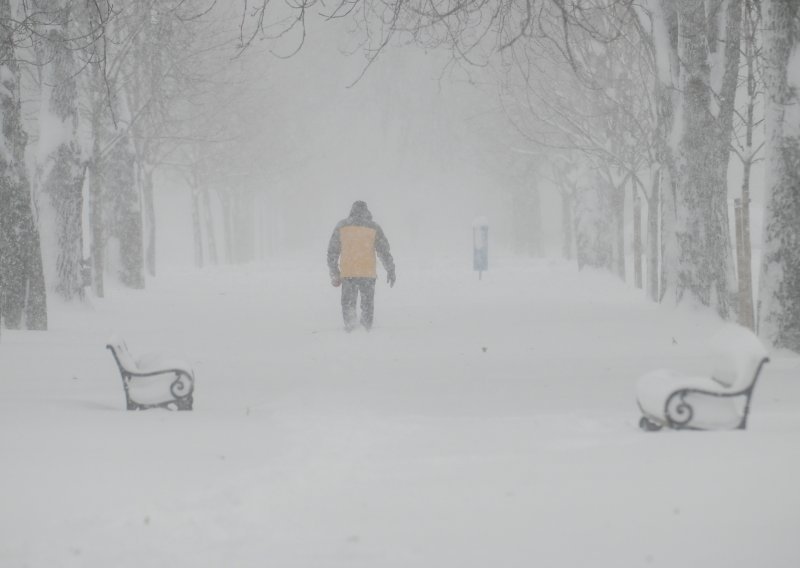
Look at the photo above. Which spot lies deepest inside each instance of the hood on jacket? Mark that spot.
(360, 211)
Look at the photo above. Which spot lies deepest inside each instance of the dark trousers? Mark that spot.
(351, 287)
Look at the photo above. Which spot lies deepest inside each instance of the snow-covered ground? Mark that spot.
(480, 424)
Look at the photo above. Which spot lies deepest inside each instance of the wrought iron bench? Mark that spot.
(153, 381)
(720, 401)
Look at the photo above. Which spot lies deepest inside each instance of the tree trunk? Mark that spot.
(669, 252)
(518, 221)
(3, 252)
(595, 235)
(208, 218)
(537, 248)
(566, 224)
(61, 172)
(637, 237)
(244, 208)
(667, 63)
(226, 199)
(746, 312)
(653, 207)
(704, 264)
(96, 223)
(144, 94)
(779, 290)
(263, 225)
(527, 220)
(695, 126)
(149, 219)
(617, 202)
(743, 265)
(124, 218)
(92, 16)
(197, 226)
(23, 292)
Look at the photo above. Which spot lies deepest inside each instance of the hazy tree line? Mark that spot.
(636, 108)
(102, 100)
(101, 95)
(633, 109)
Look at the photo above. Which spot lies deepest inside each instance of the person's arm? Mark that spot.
(334, 250)
(384, 253)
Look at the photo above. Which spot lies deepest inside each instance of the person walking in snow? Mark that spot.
(351, 260)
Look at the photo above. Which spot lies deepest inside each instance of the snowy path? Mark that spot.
(480, 424)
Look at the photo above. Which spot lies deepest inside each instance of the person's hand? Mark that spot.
(390, 278)
(336, 281)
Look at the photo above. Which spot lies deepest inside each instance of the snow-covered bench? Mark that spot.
(716, 402)
(153, 381)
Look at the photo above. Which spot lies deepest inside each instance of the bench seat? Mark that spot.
(154, 380)
(717, 401)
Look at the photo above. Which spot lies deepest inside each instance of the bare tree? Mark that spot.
(748, 121)
(595, 99)
(177, 50)
(151, 64)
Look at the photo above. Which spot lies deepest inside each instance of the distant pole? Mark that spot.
(480, 246)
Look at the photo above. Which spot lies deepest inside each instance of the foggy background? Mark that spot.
(417, 137)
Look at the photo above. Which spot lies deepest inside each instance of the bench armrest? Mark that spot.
(155, 363)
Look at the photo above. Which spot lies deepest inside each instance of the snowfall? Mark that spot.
(481, 423)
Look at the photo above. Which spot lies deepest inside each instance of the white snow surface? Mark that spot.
(738, 354)
(481, 423)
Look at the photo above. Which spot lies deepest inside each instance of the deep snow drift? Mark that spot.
(479, 424)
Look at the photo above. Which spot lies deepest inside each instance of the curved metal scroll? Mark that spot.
(677, 411)
(181, 386)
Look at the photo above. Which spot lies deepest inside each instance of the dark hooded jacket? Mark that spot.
(355, 243)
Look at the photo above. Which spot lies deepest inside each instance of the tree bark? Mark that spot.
(696, 118)
(746, 312)
(537, 248)
(23, 295)
(653, 208)
(208, 218)
(743, 265)
(124, 212)
(96, 222)
(149, 219)
(93, 16)
(244, 226)
(669, 252)
(226, 201)
(566, 224)
(746, 308)
(594, 227)
(526, 220)
(637, 237)
(197, 226)
(617, 202)
(61, 172)
(704, 263)
(779, 290)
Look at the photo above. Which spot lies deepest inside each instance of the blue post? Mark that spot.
(480, 245)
